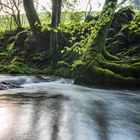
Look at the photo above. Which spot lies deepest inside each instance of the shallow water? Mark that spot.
(50, 108)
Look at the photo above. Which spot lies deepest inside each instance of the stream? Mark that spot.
(52, 108)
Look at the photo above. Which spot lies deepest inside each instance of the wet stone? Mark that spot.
(5, 85)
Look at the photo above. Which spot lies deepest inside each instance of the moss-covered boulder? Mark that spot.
(63, 72)
(21, 37)
(122, 17)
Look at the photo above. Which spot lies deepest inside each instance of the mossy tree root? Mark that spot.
(126, 70)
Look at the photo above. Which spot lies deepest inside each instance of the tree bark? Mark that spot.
(98, 44)
(32, 16)
(56, 15)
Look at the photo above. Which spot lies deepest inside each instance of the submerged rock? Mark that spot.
(6, 85)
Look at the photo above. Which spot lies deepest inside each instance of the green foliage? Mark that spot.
(10, 47)
(48, 70)
(63, 72)
(17, 66)
(3, 55)
(79, 33)
(63, 64)
(78, 65)
(82, 35)
(135, 24)
(19, 69)
(17, 60)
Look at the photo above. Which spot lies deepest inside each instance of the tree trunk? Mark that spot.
(98, 44)
(32, 16)
(59, 11)
(35, 25)
(56, 15)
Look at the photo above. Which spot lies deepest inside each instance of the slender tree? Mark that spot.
(103, 24)
(32, 16)
(56, 15)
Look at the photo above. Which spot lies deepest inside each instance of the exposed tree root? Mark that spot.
(113, 73)
(122, 69)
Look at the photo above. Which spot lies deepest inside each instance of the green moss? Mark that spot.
(48, 70)
(3, 55)
(122, 69)
(78, 64)
(17, 61)
(104, 72)
(136, 65)
(63, 72)
(63, 64)
(110, 76)
(21, 37)
(134, 60)
(3, 69)
(10, 47)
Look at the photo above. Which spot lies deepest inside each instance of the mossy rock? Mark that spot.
(78, 65)
(48, 70)
(21, 37)
(64, 72)
(30, 44)
(122, 17)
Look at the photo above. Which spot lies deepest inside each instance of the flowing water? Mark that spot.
(51, 108)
